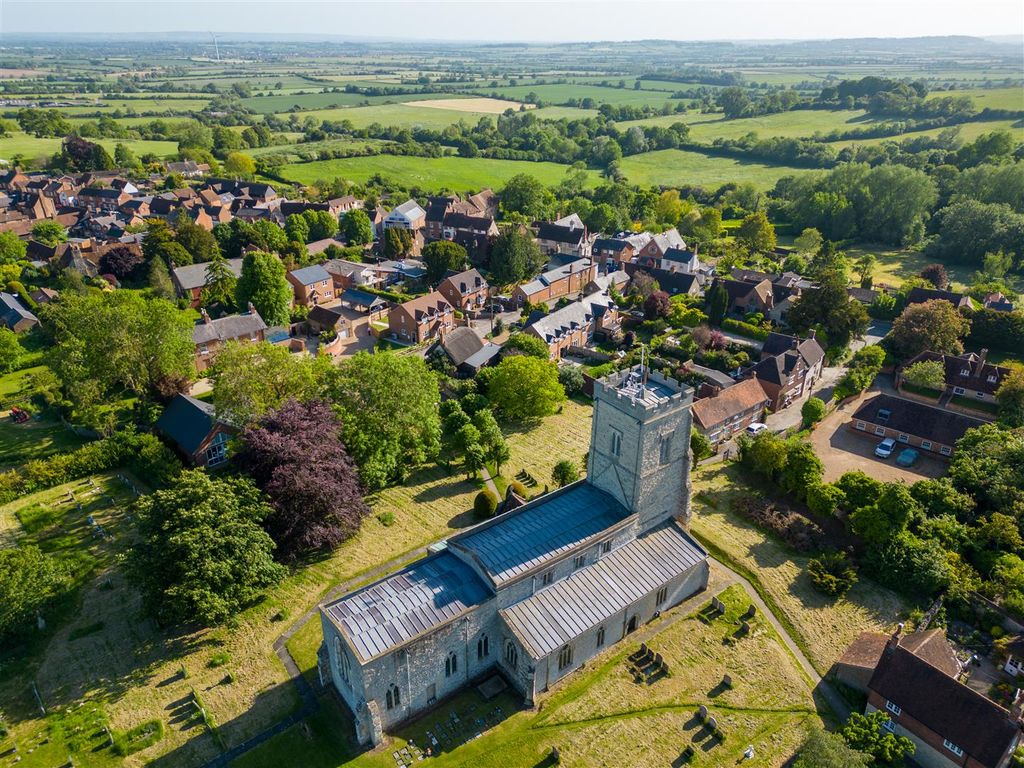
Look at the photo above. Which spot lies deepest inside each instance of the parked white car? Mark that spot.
(885, 448)
(756, 428)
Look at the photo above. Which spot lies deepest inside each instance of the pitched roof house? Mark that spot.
(421, 318)
(210, 335)
(921, 295)
(912, 423)
(312, 285)
(190, 280)
(788, 368)
(575, 325)
(855, 667)
(567, 279)
(193, 427)
(565, 236)
(732, 410)
(408, 215)
(466, 350)
(967, 375)
(13, 314)
(464, 290)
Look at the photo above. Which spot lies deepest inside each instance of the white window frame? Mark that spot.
(926, 444)
(889, 725)
(945, 450)
(952, 747)
(904, 437)
(893, 707)
(958, 390)
(861, 426)
(880, 431)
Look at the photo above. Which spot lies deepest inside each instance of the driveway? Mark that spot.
(844, 450)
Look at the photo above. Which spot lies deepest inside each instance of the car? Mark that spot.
(756, 428)
(885, 448)
(907, 458)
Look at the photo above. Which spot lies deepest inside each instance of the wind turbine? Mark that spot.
(215, 46)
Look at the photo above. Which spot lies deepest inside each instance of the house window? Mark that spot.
(661, 597)
(451, 665)
(991, 379)
(894, 708)
(980, 395)
(547, 578)
(393, 698)
(511, 655)
(483, 648)
(344, 663)
(952, 747)
(606, 547)
(945, 450)
(204, 350)
(904, 437)
(616, 442)
(964, 372)
(958, 390)
(578, 562)
(879, 430)
(666, 449)
(564, 657)
(926, 444)
(889, 725)
(217, 453)
(600, 637)
(861, 425)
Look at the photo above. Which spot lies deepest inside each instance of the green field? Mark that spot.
(559, 94)
(676, 167)
(798, 123)
(455, 173)
(968, 132)
(30, 147)
(284, 102)
(992, 98)
(404, 116)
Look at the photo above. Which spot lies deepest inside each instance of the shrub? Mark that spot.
(571, 379)
(824, 499)
(832, 573)
(485, 504)
(744, 329)
(519, 489)
(219, 659)
(387, 519)
(799, 532)
(813, 411)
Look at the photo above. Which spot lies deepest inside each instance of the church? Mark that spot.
(535, 592)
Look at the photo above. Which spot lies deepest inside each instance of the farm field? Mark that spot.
(967, 131)
(561, 93)
(991, 98)
(19, 143)
(599, 716)
(457, 173)
(471, 104)
(131, 670)
(285, 102)
(297, 151)
(798, 123)
(822, 627)
(673, 167)
(896, 265)
(406, 116)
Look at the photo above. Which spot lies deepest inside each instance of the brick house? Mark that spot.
(566, 280)
(614, 249)
(421, 318)
(652, 253)
(747, 297)
(464, 290)
(209, 335)
(731, 411)
(912, 423)
(576, 324)
(312, 285)
(193, 427)
(97, 200)
(949, 723)
(857, 664)
(966, 375)
(921, 295)
(567, 236)
(190, 280)
(789, 367)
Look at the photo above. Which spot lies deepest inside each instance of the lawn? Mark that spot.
(677, 167)
(132, 668)
(822, 627)
(433, 173)
(896, 265)
(34, 440)
(599, 716)
(19, 143)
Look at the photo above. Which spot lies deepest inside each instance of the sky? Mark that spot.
(526, 20)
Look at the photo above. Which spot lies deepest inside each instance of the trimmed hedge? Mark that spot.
(485, 504)
(142, 454)
(744, 329)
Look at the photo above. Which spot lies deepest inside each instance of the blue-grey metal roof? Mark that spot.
(482, 356)
(187, 422)
(355, 296)
(530, 536)
(408, 603)
(562, 612)
(11, 310)
(310, 275)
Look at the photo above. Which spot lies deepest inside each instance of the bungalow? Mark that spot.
(312, 285)
(209, 335)
(949, 723)
(14, 316)
(195, 431)
(422, 318)
(567, 236)
(464, 290)
(554, 284)
(921, 295)
(732, 410)
(966, 375)
(466, 350)
(190, 280)
(912, 423)
(575, 325)
(188, 169)
(408, 215)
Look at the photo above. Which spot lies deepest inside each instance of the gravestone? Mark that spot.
(702, 713)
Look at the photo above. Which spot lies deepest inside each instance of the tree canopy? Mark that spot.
(934, 326)
(524, 387)
(263, 283)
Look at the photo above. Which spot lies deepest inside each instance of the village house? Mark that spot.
(707, 382)
(912, 423)
(447, 214)
(616, 250)
(408, 216)
(654, 250)
(190, 280)
(538, 591)
(921, 295)
(967, 375)
(788, 368)
(192, 426)
(569, 279)
(209, 335)
(567, 236)
(102, 199)
(13, 314)
(857, 664)
(188, 169)
(312, 285)
(466, 350)
(949, 723)
(673, 283)
(575, 324)
(745, 298)
(333, 318)
(421, 319)
(605, 282)
(349, 274)
(465, 290)
(730, 411)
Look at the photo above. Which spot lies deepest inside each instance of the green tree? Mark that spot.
(926, 373)
(717, 303)
(387, 434)
(565, 472)
(859, 489)
(700, 447)
(865, 733)
(525, 195)
(397, 243)
(322, 225)
(30, 582)
(1010, 398)
(832, 573)
(515, 257)
(765, 454)
(933, 326)
(491, 439)
(12, 248)
(812, 411)
(442, 256)
(830, 308)
(251, 378)
(159, 279)
(49, 232)
(201, 245)
(202, 554)
(521, 343)
(10, 350)
(124, 157)
(822, 749)
(239, 166)
(865, 267)
(524, 387)
(757, 233)
(263, 283)
(220, 284)
(808, 242)
(356, 227)
(296, 226)
(802, 470)
(888, 516)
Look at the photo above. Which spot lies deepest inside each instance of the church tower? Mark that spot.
(640, 444)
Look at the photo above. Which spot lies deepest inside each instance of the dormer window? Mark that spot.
(964, 372)
(992, 379)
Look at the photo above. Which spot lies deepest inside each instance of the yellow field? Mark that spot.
(490, 106)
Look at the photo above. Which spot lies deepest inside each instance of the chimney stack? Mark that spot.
(981, 361)
(894, 641)
(251, 308)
